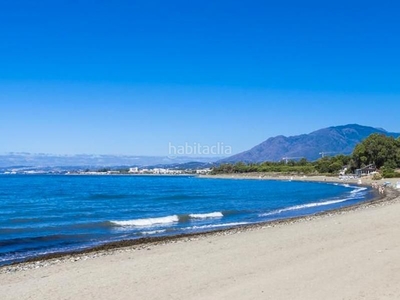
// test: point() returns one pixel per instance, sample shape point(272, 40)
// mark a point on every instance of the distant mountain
point(329, 141)
point(84, 160)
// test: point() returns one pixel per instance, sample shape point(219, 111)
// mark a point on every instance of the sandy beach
point(350, 254)
point(367, 180)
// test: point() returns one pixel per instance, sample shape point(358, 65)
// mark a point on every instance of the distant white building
point(134, 170)
point(203, 171)
point(343, 171)
point(113, 172)
point(160, 171)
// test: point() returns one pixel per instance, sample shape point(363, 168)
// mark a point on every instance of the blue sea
point(48, 214)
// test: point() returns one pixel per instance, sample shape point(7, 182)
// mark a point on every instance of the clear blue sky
point(128, 77)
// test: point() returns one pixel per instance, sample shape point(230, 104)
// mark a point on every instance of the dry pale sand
point(353, 255)
point(268, 176)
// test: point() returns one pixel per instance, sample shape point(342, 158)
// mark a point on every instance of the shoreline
point(365, 181)
point(392, 195)
point(351, 253)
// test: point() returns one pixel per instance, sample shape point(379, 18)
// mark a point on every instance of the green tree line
point(379, 150)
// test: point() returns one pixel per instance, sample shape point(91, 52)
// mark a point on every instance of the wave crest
point(147, 222)
point(357, 190)
point(207, 215)
point(217, 225)
point(308, 205)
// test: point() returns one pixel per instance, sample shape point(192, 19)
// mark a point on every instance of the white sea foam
point(153, 232)
point(357, 190)
point(207, 216)
point(216, 225)
point(148, 222)
point(353, 195)
point(308, 205)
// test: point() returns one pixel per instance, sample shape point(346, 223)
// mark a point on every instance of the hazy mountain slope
point(332, 141)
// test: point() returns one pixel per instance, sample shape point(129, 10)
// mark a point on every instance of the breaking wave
point(207, 216)
point(356, 193)
point(148, 222)
point(217, 225)
point(302, 206)
point(358, 190)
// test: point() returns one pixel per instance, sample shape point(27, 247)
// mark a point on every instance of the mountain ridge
point(331, 140)
point(88, 160)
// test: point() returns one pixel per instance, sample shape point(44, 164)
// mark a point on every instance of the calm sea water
point(45, 214)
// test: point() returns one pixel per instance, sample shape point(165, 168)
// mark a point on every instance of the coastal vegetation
point(378, 150)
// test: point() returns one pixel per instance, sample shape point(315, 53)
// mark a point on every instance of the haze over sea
point(46, 214)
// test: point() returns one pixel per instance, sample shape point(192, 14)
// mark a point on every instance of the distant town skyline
point(133, 78)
